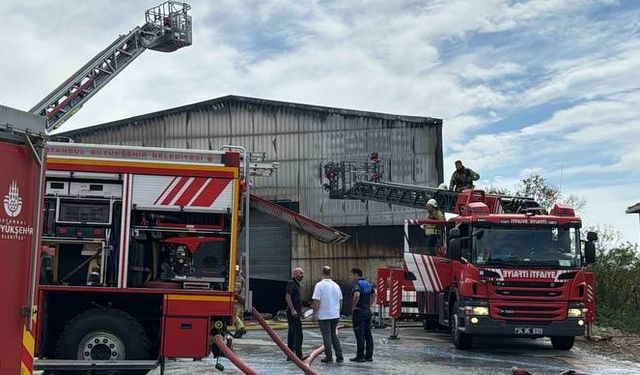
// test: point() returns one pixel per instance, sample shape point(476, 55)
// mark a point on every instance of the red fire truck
point(138, 259)
point(502, 266)
point(21, 152)
point(500, 274)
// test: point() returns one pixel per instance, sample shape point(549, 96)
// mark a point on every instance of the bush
point(617, 278)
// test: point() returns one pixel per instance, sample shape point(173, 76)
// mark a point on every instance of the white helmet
point(432, 202)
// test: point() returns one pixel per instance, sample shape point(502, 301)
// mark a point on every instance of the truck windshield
point(526, 246)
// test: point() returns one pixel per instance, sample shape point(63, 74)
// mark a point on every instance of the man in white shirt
point(327, 302)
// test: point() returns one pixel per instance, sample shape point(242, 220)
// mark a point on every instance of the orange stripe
point(54, 160)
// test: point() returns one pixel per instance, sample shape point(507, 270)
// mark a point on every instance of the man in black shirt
point(362, 296)
point(294, 312)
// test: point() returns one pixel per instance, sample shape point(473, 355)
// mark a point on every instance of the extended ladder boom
point(167, 28)
point(362, 180)
point(402, 194)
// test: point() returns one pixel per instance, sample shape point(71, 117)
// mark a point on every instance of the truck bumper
point(488, 326)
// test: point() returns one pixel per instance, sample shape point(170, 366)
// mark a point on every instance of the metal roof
point(302, 223)
point(418, 120)
point(635, 209)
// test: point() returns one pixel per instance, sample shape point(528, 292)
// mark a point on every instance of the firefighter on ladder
point(376, 167)
point(432, 231)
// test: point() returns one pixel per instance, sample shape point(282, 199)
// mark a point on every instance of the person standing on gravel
point(294, 312)
point(327, 303)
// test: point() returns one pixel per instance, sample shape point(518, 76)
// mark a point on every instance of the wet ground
point(416, 352)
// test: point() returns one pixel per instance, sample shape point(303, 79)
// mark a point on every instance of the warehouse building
point(302, 139)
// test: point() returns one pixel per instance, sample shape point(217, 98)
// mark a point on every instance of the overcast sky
point(544, 86)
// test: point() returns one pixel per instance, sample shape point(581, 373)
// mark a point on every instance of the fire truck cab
point(138, 259)
point(519, 274)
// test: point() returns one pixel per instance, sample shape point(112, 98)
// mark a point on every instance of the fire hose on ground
point(319, 350)
point(242, 366)
point(274, 336)
point(231, 356)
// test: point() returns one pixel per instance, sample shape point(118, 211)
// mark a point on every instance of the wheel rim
point(101, 346)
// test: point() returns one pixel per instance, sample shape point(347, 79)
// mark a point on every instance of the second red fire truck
point(502, 266)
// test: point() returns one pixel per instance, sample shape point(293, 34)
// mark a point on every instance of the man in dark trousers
point(294, 312)
point(362, 296)
point(462, 178)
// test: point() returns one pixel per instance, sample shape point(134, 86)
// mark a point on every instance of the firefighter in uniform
point(238, 308)
point(463, 177)
point(432, 231)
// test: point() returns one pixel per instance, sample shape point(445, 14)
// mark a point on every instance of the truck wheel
point(101, 334)
point(461, 340)
point(562, 342)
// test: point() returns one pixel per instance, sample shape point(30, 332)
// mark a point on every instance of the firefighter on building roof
point(462, 178)
point(432, 231)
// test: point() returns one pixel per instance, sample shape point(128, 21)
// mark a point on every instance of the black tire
point(118, 334)
point(461, 340)
point(562, 342)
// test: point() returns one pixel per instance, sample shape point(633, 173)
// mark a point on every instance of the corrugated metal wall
point(302, 139)
point(368, 249)
point(270, 242)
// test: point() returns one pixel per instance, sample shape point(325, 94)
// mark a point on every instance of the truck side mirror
point(455, 249)
point(592, 236)
point(589, 252)
point(454, 233)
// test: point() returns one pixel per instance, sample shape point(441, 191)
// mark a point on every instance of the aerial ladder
point(363, 180)
point(167, 28)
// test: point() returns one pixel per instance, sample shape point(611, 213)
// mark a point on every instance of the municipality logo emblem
point(13, 201)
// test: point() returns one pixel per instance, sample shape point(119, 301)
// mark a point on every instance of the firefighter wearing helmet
point(432, 231)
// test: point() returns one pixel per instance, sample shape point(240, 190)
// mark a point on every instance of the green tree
point(539, 188)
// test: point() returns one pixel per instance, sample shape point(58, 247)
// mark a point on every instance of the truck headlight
point(575, 313)
point(476, 310)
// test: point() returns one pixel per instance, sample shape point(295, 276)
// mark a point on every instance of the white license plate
point(528, 331)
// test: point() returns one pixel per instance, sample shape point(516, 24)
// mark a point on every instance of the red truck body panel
point(18, 182)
